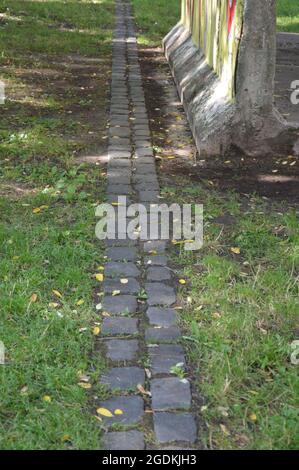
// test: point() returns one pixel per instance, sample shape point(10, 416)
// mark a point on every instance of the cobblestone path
point(150, 401)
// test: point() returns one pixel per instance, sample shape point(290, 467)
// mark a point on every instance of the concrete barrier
point(223, 57)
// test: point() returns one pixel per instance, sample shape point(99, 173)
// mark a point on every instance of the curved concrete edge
point(209, 111)
point(250, 123)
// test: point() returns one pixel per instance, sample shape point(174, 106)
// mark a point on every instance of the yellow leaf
point(57, 293)
point(224, 430)
point(36, 210)
point(44, 207)
point(216, 315)
point(253, 417)
point(153, 252)
point(124, 281)
point(33, 298)
point(115, 292)
point(65, 437)
point(100, 268)
point(118, 412)
point(104, 412)
point(99, 277)
point(53, 304)
point(84, 385)
point(96, 330)
point(47, 398)
point(80, 302)
point(182, 281)
point(235, 250)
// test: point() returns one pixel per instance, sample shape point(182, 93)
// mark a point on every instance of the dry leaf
point(84, 385)
point(224, 430)
point(53, 304)
point(99, 277)
point(236, 250)
point(142, 390)
point(80, 302)
point(36, 210)
point(96, 330)
point(115, 292)
point(84, 378)
point(182, 281)
point(99, 307)
point(104, 412)
point(57, 293)
point(33, 298)
point(253, 417)
point(118, 412)
point(216, 315)
point(124, 281)
point(47, 398)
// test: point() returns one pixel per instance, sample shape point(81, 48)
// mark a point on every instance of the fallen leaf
point(53, 304)
point(104, 412)
point(84, 385)
point(236, 250)
point(182, 281)
point(118, 412)
point(115, 292)
point(24, 390)
point(57, 293)
point(253, 417)
point(84, 378)
point(99, 307)
point(99, 277)
point(47, 398)
point(142, 390)
point(124, 281)
point(224, 430)
point(36, 210)
point(33, 298)
point(65, 437)
point(80, 302)
point(96, 330)
point(216, 315)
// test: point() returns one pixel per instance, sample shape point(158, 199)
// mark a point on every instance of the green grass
point(240, 315)
point(45, 351)
point(288, 16)
point(72, 26)
point(47, 203)
point(155, 20)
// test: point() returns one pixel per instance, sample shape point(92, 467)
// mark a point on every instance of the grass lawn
point(49, 126)
point(288, 16)
point(240, 315)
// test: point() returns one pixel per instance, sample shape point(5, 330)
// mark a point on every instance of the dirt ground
point(276, 179)
point(77, 85)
